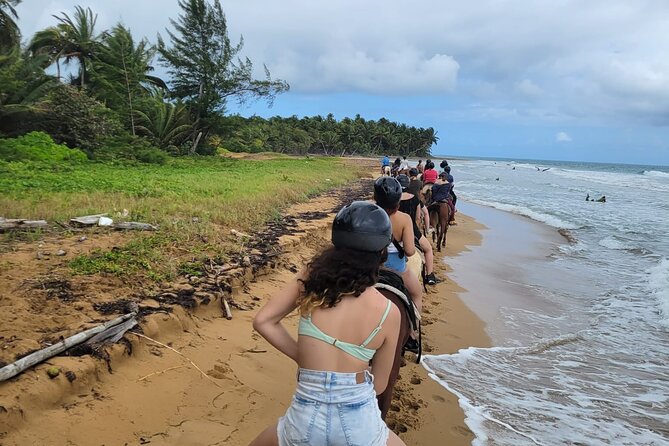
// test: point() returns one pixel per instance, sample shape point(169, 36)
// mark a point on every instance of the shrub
point(38, 146)
point(72, 117)
point(128, 147)
point(152, 156)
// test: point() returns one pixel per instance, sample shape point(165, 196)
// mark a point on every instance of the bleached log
point(226, 307)
point(11, 224)
point(128, 225)
point(32, 359)
point(87, 220)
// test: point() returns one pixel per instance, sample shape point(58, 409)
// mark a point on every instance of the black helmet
point(413, 172)
point(387, 192)
point(362, 226)
point(404, 181)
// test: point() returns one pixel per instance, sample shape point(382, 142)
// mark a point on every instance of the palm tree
point(165, 123)
point(50, 42)
point(80, 41)
point(9, 30)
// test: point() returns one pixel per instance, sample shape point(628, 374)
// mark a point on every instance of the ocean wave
point(655, 173)
point(550, 220)
point(612, 243)
point(650, 182)
point(658, 285)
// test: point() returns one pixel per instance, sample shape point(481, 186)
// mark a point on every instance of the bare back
point(351, 320)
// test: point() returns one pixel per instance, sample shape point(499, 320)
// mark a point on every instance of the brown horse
point(440, 215)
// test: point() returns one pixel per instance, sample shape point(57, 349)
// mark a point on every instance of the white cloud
point(601, 59)
point(562, 137)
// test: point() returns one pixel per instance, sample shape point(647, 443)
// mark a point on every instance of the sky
point(548, 79)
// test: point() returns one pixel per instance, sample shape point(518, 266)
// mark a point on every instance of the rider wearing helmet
point(411, 205)
point(345, 326)
point(387, 194)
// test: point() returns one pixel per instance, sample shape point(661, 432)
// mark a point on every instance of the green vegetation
point(37, 146)
point(195, 202)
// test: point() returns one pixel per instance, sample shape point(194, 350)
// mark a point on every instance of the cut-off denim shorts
point(332, 409)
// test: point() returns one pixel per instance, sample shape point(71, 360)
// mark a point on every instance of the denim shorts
point(332, 409)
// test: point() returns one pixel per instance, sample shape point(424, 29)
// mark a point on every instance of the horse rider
point(411, 205)
point(385, 165)
point(441, 192)
point(387, 194)
point(346, 325)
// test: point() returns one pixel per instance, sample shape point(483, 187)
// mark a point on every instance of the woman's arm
point(407, 236)
point(268, 320)
point(383, 359)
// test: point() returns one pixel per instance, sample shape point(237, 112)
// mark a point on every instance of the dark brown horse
point(440, 215)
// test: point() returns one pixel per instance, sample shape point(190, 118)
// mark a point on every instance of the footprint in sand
point(439, 398)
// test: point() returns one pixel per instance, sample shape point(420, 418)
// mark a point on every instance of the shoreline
point(449, 325)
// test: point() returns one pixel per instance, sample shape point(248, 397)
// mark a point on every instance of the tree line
point(97, 90)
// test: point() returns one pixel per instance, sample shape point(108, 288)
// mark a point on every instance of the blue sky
point(561, 79)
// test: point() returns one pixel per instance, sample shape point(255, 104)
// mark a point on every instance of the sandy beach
point(148, 393)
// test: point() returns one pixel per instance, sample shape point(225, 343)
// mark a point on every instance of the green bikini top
point(361, 352)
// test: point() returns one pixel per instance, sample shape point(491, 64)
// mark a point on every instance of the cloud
point(601, 60)
point(562, 137)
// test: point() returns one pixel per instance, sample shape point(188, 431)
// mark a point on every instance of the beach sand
point(147, 393)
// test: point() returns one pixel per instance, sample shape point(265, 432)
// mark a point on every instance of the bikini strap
point(377, 329)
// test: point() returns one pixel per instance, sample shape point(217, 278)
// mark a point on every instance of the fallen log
point(13, 224)
point(32, 359)
point(133, 225)
point(87, 220)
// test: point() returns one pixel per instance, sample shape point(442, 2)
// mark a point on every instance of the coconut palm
point(52, 43)
point(9, 30)
point(73, 38)
point(166, 124)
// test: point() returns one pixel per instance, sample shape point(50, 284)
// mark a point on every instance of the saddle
point(391, 282)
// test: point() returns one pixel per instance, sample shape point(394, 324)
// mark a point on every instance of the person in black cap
point(387, 194)
point(345, 326)
point(411, 205)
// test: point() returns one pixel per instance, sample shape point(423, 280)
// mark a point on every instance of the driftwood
point(87, 220)
point(32, 359)
point(12, 224)
point(134, 225)
point(226, 307)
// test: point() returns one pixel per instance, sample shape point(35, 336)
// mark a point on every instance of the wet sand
point(156, 396)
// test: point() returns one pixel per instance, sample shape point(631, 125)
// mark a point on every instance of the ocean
point(587, 362)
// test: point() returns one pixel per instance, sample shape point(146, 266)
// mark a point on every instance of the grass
point(195, 202)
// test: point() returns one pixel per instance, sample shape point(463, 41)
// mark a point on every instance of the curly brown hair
point(338, 272)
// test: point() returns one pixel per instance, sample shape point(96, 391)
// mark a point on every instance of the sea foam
point(658, 285)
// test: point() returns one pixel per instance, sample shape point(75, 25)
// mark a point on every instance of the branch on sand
point(178, 353)
point(109, 331)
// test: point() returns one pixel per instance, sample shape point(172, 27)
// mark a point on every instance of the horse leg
point(444, 216)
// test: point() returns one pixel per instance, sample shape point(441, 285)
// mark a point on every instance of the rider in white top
point(404, 165)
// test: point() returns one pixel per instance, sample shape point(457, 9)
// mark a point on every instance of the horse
point(440, 215)
point(392, 287)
